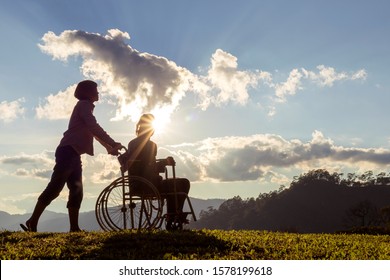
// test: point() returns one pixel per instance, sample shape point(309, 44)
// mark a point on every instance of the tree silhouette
point(316, 175)
point(363, 214)
point(385, 216)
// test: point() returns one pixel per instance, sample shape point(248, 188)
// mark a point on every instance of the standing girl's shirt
point(82, 128)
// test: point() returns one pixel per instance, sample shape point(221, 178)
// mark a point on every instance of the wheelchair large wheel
point(99, 211)
point(130, 202)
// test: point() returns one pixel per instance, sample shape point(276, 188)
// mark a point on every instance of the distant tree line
point(352, 180)
point(316, 201)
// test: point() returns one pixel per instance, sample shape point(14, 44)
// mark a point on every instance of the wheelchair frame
point(133, 202)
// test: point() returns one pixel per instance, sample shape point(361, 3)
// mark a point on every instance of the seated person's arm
point(162, 163)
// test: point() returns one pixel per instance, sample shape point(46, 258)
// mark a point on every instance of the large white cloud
point(137, 81)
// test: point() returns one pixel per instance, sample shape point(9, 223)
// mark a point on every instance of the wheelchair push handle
point(122, 148)
point(115, 151)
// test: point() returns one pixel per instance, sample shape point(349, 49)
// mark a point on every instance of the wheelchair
point(133, 202)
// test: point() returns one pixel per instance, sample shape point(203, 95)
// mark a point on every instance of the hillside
point(58, 222)
point(323, 207)
point(317, 203)
point(194, 244)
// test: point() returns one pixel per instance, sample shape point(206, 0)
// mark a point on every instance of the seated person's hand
point(170, 161)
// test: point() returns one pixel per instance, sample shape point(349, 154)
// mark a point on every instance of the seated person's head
point(144, 126)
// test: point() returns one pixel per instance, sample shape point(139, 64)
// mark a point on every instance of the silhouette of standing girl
point(77, 140)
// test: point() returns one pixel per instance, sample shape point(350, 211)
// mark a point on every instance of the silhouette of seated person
point(141, 161)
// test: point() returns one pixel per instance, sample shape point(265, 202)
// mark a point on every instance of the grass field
point(194, 244)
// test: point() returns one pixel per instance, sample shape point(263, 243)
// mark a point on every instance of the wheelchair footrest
point(178, 218)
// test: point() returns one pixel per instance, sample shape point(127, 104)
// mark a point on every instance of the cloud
point(57, 106)
point(38, 166)
point(105, 169)
point(260, 157)
point(327, 76)
point(139, 81)
point(9, 111)
point(43, 174)
point(257, 156)
point(290, 87)
point(136, 81)
point(359, 75)
point(45, 158)
point(101, 169)
point(323, 77)
point(225, 83)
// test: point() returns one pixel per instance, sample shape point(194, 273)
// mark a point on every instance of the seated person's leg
point(182, 186)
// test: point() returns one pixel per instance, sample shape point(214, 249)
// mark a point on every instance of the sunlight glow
point(162, 119)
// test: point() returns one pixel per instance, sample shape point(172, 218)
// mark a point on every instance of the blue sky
point(252, 93)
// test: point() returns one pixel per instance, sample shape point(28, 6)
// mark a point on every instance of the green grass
point(194, 244)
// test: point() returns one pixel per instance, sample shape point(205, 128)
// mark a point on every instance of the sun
point(159, 126)
point(161, 120)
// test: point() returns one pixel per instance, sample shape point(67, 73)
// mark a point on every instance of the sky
point(248, 93)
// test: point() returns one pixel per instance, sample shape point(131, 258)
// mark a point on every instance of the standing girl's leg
point(62, 170)
point(51, 192)
point(75, 186)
